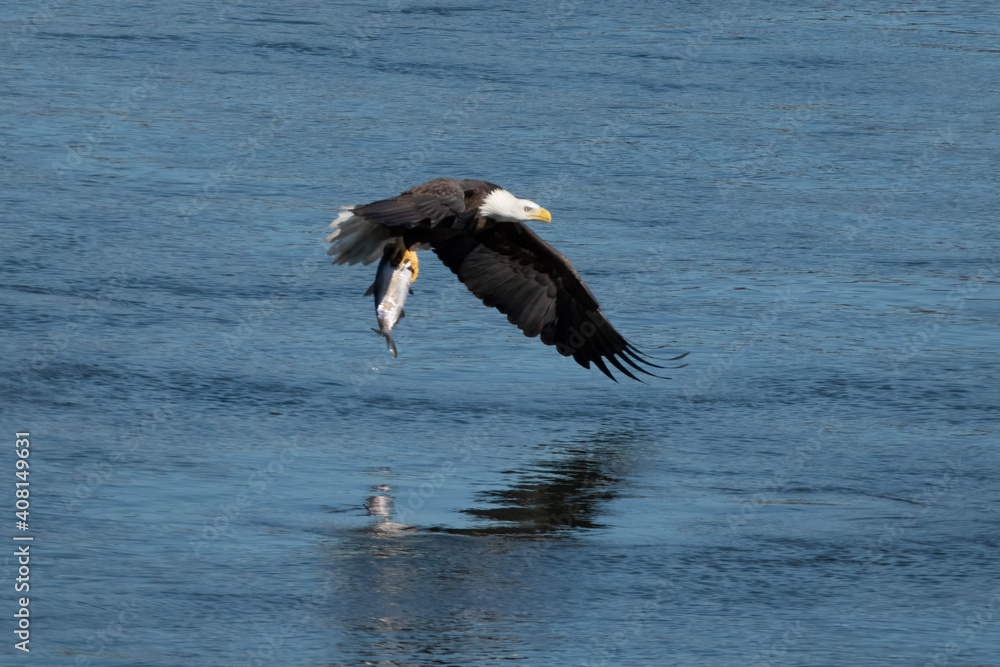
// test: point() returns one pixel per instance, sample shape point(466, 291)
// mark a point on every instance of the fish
point(397, 270)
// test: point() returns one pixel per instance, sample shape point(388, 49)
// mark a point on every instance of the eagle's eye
point(527, 208)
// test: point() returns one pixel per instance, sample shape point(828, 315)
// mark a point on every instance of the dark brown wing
point(513, 270)
point(434, 203)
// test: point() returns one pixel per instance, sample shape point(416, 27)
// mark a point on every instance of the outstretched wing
point(513, 270)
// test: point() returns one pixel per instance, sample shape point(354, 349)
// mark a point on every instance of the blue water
point(228, 468)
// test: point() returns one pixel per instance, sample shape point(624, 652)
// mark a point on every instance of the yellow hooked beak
point(412, 256)
point(542, 215)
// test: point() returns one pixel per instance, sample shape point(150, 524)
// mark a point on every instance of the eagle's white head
point(505, 207)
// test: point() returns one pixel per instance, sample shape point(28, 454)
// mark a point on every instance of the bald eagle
point(477, 229)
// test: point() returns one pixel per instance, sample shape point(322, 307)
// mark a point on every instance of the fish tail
point(390, 343)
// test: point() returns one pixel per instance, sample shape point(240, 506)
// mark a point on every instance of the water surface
point(228, 468)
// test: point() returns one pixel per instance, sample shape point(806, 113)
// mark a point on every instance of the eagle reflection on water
point(552, 496)
point(460, 595)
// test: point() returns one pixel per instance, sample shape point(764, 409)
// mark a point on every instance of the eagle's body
point(477, 229)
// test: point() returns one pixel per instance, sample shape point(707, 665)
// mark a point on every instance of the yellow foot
point(412, 256)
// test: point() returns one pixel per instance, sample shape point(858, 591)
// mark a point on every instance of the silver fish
point(396, 271)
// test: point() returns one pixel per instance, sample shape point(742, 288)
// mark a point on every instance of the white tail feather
point(355, 239)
